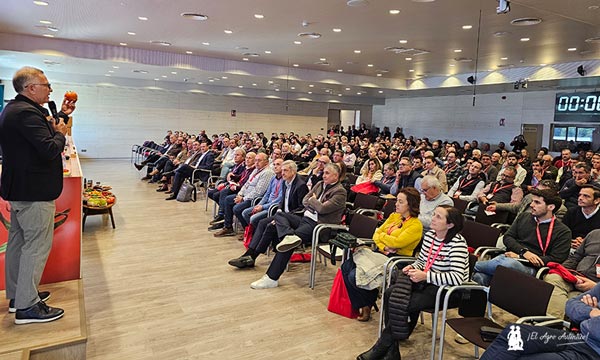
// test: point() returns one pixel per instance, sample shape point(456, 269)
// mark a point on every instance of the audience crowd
point(271, 192)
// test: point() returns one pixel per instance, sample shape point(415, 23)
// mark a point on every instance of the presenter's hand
point(60, 127)
point(68, 106)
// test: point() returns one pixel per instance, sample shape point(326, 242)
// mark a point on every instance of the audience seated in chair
point(204, 161)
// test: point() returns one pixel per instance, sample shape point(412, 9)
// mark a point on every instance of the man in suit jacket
point(324, 203)
point(32, 178)
point(204, 160)
point(294, 190)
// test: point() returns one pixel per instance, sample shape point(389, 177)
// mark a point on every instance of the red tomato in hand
point(71, 96)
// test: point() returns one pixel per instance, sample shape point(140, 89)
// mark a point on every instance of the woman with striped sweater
point(443, 260)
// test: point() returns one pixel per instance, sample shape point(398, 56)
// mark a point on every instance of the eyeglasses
point(48, 85)
point(321, 162)
point(507, 176)
point(424, 190)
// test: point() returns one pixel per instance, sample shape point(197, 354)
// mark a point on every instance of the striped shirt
point(451, 267)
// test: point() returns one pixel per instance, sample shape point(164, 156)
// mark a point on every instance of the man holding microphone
point(32, 142)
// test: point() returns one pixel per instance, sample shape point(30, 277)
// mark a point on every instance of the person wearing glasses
point(501, 192)
point(570, 190)
point(431, 197)
point(405, 176)
point(32, 178)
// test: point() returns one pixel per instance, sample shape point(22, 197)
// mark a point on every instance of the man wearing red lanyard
point(533, 240)
point(468, 186)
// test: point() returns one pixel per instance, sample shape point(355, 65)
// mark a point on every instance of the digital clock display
point(577, 107)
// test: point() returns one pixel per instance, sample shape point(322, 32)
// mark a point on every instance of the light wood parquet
point(159, 287)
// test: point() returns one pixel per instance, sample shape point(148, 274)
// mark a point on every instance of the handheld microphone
point(52, 107)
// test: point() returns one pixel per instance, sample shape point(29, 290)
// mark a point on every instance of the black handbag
point(343, 240)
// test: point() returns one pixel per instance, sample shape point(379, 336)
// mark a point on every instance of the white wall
point(455, 118)
point(109, 119)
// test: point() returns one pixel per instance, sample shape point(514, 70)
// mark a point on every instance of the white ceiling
point(89, 33)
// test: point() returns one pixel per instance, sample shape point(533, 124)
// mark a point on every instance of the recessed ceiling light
point(298, 42)
point(403, 41)
point(340, 70)
point(394, 12)
point(379, 75)
point(267, 51)
point(224, 77)
point(525, 39)
point(241, 86)
point(504, 58)
point(593, 7)
point(422, 1)
point(259, 16)
point(130, 33)
point(323, 59)
point(572, 49)
point(189, 52)
point(295, 65)
point(451, 65)
point(293, 87)
point(500, 33)
point(358, 93)
point(357, 51)
point(199, 83)
point(115, 67)
point(156, 79)
point(228, 31)
point(347, 89)
point(408, 58)
point(467, 27)
point(276, 89)
point(310, 92)
point(174, 72)
point(339, 94)
point(206, 43)
point(528, 21)
point(244, 59)
point(337, 30)
point(163, 76)
point(51, 28)
point(41, 3)
point(380, 91)
point(254, 84)
point(357, 2)
point(370, 65)
point(270, 81)
point(211, 80)
point(194, 16)
point(411, 70)
point(311, 85)
point(543, 64)
point(111, 71)
point(457, 50)
point(143, 18)
point(48, 35)
point(107, 75)
point(327, 90)
point(45, 22)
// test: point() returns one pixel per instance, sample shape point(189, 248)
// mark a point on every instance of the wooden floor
point(159, 287)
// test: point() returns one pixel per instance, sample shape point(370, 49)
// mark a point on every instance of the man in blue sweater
point(537, 342)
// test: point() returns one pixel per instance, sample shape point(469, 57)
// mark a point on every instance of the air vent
point(140, 71)
point(463, 60)
point(357, 3)
point(241, 48)
point(501, 66)
point(161, 43)
point(194, 16)
point(322, 63)
point(526, 21)
point(594, 40)
point(406, 51)
point(310, 35)
point(251, 54)
point(46, 27)
point(382, 71)
point(501, 33)
point(50, 62)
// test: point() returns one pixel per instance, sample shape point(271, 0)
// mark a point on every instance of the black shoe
point(216, 226)
point(393, 352)
point(218, 219)
point(38, 313)
point(380, 349)
point(152, 181)
point(171, 198)
point(146, 177)
point(242, 262)
point(43, 295)
point(162, 188)
point(138, 166)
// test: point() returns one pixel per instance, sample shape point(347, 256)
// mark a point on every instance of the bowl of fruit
point(94, 198)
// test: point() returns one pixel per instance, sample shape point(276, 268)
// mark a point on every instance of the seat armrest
point(543, 271)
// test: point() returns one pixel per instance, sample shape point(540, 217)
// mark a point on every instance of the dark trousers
point(264, 236)
point(289, 224)
point(232, 208)
point(541, 343)
point(183, 172)
point(422, 298)
point(359, 297)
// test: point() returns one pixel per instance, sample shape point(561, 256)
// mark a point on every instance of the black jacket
point(297, 192)
point(32, 163)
